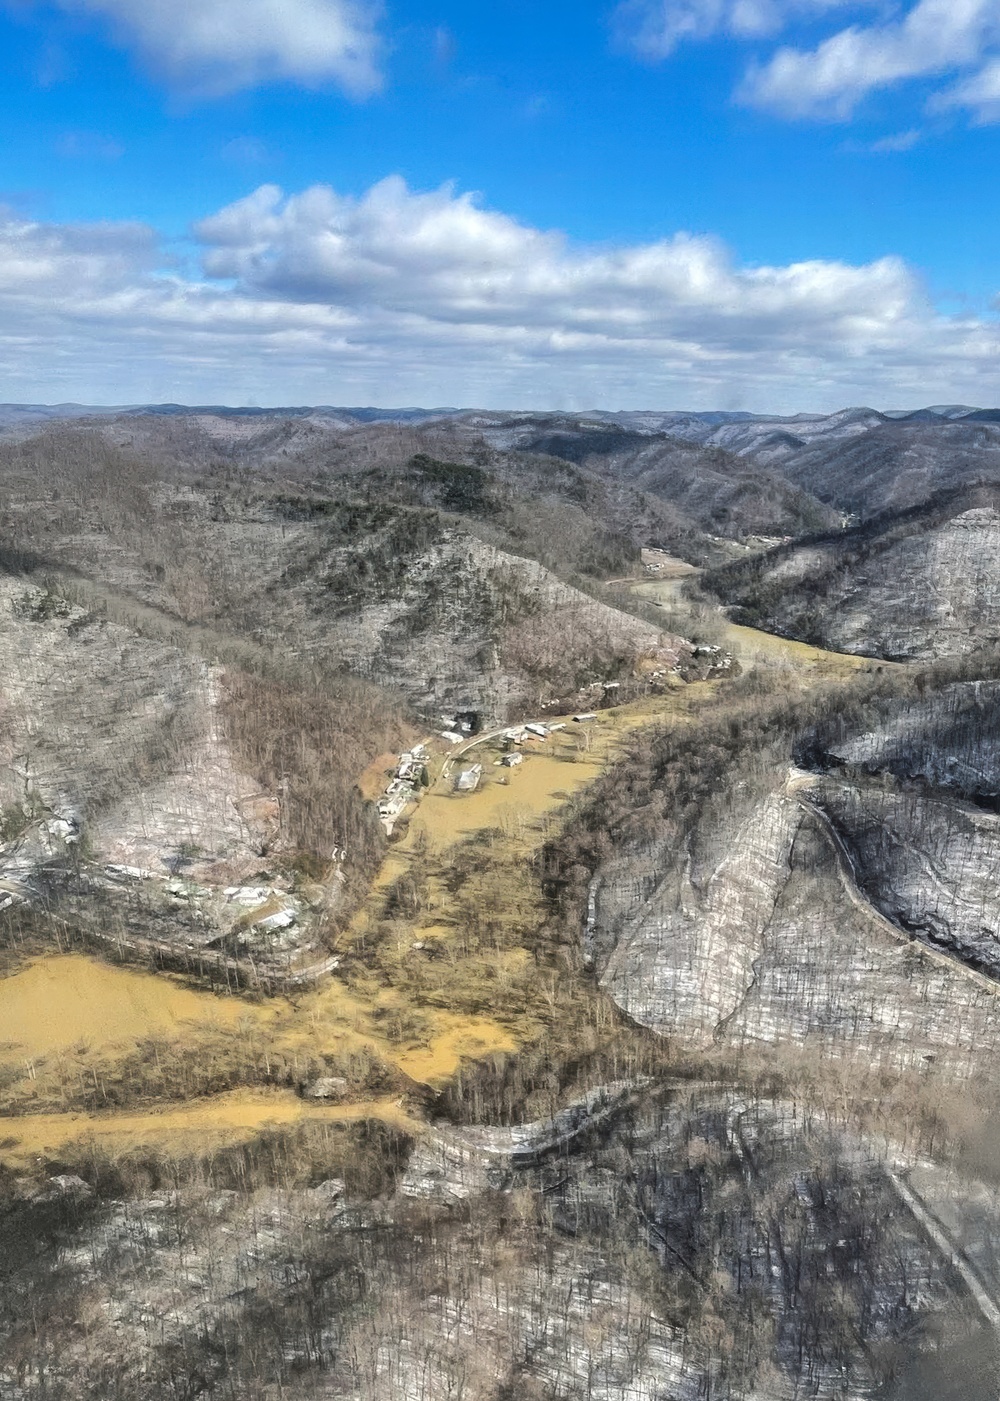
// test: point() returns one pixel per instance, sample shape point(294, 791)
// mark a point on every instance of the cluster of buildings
point(533, 733)
point(408, 777)
point(654, 561)
point(512, 738)
point(461, 726)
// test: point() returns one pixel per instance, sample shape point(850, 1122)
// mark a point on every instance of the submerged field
point(181, 1130)
point(750, 646)
point(69, 1000)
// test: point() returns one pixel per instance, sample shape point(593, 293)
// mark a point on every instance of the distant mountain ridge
point(650, 420)
point(721, 473)
point(807, 448)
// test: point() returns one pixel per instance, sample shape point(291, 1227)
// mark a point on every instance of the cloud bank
point(430, 298)
point(216, 46)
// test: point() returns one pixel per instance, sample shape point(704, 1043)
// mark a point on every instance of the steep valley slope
point(721, 492)
point(807, 907)
point(139, 801)
point(199, 665)
point(919, 584)
point(433, 579)
point(711, 1265)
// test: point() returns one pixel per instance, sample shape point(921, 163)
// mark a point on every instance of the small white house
point(468, 780)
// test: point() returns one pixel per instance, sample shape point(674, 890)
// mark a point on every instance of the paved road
point(968, 1370)
point(950, 1249)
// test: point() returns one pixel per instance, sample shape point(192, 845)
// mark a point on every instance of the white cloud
point(654, 28)
point(217, 46)
point(430, 298)
point(442, 258)
point(897, 141)
point(980, 93)
point(935, 37)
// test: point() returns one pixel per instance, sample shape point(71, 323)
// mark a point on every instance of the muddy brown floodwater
point(200, 1126)
point(67, 1000)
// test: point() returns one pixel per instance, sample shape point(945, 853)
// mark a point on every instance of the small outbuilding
point(468, 780)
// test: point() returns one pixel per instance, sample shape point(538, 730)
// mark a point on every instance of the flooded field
point(509, 798)
point(457, 1039)
point(749, 645)
point(181, 1129)
point(69, 1000)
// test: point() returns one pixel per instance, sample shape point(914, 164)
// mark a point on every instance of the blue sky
point(775, 204)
